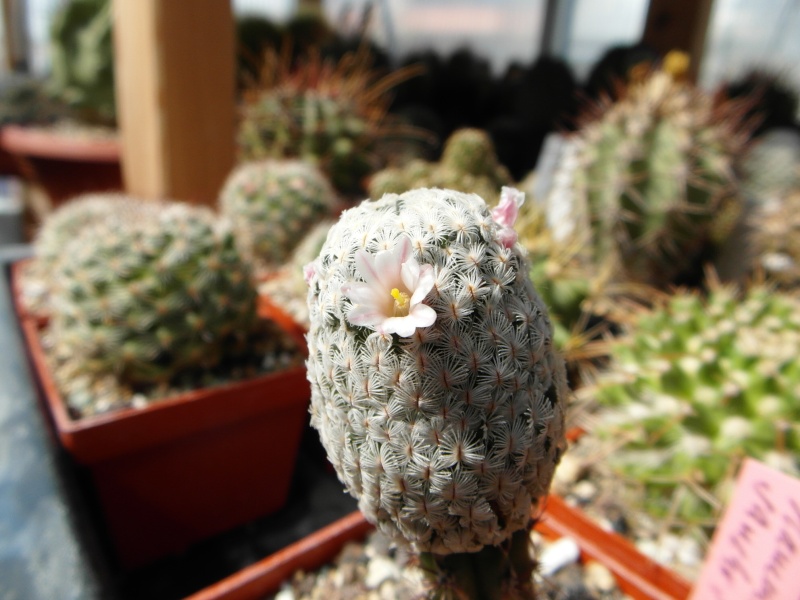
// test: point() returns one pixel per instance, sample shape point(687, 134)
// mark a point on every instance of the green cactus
point(82, 56)
point(333, 114)
point(271, 204)
point(468, 164)
point(58, 230)
point(151, 294)
point(435, 387)
point(693, 386)
point(654, 172)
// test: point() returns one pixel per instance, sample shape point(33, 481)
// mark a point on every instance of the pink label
point(755, 553)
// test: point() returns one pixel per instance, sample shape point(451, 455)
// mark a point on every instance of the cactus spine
point(448, 431)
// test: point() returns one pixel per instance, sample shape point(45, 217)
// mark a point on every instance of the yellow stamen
point(399, 297)
point(676, 63)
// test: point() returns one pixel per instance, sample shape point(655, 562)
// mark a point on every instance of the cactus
point(655, 170)
point(693, 386)
point(58, 230)
point(271, 204)
point(468, 164)
point(83, 59)
point(332, 114)
point(775, 238)
point(152, 294)
point(435, 387)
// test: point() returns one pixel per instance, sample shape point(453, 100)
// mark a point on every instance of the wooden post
point(175, 86)
point(678, 25)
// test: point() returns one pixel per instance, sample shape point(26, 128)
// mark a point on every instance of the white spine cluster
point(448, 436)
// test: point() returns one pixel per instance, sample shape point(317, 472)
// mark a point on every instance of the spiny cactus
point(331, 114)
point(435, 387)
point(271, 204)
point(58, 230)
point(655, 175)
point(468, 164)
point(694, 386)
point(151, 293)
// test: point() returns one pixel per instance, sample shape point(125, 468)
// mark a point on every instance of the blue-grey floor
point(52, 543)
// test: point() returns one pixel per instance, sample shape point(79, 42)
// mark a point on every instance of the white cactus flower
point(390, 298)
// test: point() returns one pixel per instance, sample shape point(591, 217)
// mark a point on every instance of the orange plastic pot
point(64, 165)
point(188, 467)
point(267, 309)
point(636, 575)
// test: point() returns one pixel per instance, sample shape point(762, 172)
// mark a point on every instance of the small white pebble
point(558, 555)
point(584, 490)
point(380, 569)
point(599, 578)
point(285, 594)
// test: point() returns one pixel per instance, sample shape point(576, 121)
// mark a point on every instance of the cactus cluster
point(694, 386)
point(468, 164)
point(655, 183)
point(148, 295)
point(271, 204)
point(436, 390)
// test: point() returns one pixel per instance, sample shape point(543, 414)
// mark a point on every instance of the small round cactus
point(693, 387)
point(436, 390)
point(150, 293)
point(272, 204)
point(469, 164)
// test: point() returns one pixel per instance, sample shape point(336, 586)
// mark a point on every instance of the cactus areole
point(435, 387)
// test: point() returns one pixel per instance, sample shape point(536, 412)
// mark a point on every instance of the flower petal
point(505, 213)
point(365, 263)
point(364, 293)
point(365, 316)
point(424, 284)
point(422, 315)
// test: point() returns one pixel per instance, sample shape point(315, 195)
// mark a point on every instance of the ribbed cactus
point(655, 173)
point(694, 386)
point(435, 387)
point(468, 164)
point(272, 204)
point(150, 294)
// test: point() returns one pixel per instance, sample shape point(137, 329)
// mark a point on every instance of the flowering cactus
point(435, 387)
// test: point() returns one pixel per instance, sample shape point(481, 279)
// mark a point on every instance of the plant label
point(755, 553)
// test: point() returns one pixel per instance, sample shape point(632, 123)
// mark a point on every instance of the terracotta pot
point(267, 309)
point(63, 165)
point(188, 467)
point(636, 575)
point(16, 270)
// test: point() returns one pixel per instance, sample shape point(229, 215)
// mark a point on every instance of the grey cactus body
point(448, 437)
